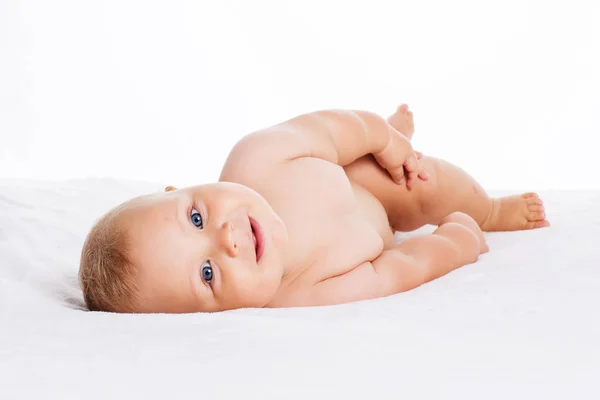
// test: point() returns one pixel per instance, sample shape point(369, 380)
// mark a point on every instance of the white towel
point(521, 323)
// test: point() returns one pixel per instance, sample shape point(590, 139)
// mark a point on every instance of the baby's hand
point(468, 222)
point(401, 161)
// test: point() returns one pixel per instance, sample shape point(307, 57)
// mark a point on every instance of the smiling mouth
point(258, 238)
point(254, 239)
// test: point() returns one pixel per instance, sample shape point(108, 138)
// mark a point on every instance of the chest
point(333, 224)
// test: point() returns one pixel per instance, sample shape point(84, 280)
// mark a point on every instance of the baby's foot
point(402, 121)
point(514, 213)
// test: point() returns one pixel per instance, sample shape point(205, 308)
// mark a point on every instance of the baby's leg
point(449, 189)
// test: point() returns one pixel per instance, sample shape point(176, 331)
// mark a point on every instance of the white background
point(160, 91)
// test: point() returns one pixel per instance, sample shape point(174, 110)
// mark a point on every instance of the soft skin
point(319, 197)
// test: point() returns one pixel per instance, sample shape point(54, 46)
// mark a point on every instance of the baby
point(304, 214)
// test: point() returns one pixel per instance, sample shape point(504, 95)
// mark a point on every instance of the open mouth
point(258, 237)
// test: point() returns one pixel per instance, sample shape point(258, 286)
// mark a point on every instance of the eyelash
point(195, 207)
point(212, 268)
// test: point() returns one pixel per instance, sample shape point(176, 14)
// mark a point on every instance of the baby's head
point(204, 248)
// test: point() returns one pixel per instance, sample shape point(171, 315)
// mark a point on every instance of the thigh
point(406, 210)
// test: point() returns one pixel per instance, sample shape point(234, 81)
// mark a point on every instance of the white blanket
point(521, 323)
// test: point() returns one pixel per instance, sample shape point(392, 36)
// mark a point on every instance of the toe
point(535, 207)
point(530, 195)
point(536, 216)
point(536, 224)
point(533, 200)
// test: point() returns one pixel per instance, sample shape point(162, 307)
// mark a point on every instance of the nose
point(227, 239)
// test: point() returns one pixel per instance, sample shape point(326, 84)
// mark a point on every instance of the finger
point(419, 155)
point(411, 170)
point(411, 178)
point(398, 176)
point(398, 159)
point(395, 171)
point(424, 175)
point(411, 164)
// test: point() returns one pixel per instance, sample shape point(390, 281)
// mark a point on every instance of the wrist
point(377, 131)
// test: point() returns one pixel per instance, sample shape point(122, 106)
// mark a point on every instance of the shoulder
point(260, 152)
point(307, 135)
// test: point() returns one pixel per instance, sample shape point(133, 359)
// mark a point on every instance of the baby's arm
point(458, 241)
point(337, 136)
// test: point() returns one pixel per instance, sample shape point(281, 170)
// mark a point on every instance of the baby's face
point(205, 248)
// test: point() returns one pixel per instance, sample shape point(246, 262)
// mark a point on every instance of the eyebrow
point(181, 204)
point(193, 286)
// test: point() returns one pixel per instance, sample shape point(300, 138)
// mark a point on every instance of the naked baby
point(304, 214)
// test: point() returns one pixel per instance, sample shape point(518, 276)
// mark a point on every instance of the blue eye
point(207, 273)
point(196, 218)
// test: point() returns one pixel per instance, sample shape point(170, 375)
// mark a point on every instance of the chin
point(267, 294)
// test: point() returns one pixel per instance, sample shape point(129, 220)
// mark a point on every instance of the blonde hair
point(106, 273)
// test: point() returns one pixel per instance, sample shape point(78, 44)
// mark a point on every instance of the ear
point(170, 188)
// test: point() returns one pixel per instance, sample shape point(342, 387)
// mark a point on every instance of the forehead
point(159, 248)
point(142, 215)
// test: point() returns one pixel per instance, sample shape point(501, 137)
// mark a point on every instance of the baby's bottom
point(449, 189)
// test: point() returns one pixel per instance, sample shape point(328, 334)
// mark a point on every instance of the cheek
point(251, 288)
point(268, 285)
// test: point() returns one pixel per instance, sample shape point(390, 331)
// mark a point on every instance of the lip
point(260, 238)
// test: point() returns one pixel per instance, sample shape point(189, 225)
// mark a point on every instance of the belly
point(352, 228)
point(374, 212)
